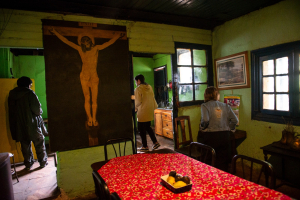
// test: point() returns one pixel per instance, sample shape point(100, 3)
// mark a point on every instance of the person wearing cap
point(26, 123)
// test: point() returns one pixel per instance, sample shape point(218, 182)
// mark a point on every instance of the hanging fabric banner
point(87, 83)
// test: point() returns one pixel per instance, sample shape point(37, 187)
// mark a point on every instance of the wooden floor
point(37, 183)
point(163, 141)
point(42, 183)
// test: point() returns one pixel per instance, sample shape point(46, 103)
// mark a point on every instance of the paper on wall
point(234, 102)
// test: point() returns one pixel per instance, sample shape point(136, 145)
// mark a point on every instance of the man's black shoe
point(29, 167)
point(43, 164)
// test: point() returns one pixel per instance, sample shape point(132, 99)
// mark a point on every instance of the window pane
point(282, 65)
point(199, 91)
point(200, 74)
point(199, 57)
point(268, 101)
point(282, 102)
point(268, 84)
point(282, 83)
point(184, 57)
point(185, 93)
point(268, 67)
point(185, 74)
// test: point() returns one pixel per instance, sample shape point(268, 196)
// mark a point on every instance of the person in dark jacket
point(26, 123)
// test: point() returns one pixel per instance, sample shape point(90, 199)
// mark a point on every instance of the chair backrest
point(117, 143)
point(114, 196)
point(207, 153)
point(266, 167)
point(101, 189)
point(182, 124)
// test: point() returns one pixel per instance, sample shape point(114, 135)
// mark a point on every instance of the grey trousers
point(40, 148)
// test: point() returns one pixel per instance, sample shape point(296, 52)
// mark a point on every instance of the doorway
point(157, 70)
point(17, 62)
point(160, 86)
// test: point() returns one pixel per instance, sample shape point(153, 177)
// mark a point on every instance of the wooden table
point(97, 165)
point(138, 177)
point(283, 151)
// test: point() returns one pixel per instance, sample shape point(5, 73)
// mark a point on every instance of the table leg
point(266, 156)
point(233, 148)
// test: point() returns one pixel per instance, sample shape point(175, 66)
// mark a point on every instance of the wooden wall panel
point(25, 30)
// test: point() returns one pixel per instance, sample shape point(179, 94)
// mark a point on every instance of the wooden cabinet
point(163, 123)
point(158, 122)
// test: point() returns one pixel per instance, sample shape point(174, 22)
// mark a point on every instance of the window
point(192, 72)
point(275, 83)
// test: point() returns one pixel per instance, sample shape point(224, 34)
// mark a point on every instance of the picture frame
point(232, 72)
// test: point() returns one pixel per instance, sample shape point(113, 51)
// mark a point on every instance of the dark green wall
point(33, 67)
point(161, 60)
point(143, 66)
point(5, 63)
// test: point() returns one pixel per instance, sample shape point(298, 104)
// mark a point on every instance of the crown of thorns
point(87, 35)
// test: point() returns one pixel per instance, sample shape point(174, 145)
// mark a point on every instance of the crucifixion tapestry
point(87, 83)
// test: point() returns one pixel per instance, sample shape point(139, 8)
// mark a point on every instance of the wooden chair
point(266, 167)
point(14, 171)
point(162, 151)
point(97, 165)
point(117, 142)
point(182, 143)
point(207, 153)
point(101, 189)
point(114, 196)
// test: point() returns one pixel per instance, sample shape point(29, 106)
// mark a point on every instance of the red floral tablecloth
point(138, 177)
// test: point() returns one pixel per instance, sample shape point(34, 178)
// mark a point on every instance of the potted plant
point(290, 137)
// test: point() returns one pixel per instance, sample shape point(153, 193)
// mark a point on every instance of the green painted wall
point(270, 26)
point(143, 66)
point(263, 28)
point(5, 62)
point(33, 67)
point(195, 116)
point(75, 173)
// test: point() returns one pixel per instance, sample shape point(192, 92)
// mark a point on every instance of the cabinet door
point(158, 124)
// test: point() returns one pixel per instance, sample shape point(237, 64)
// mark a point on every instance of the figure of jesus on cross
point(89, 79)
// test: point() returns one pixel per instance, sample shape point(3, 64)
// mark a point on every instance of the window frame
point(292, 51)
point(210, 81)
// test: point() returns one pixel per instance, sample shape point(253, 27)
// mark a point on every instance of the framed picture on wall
point(232, 72)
